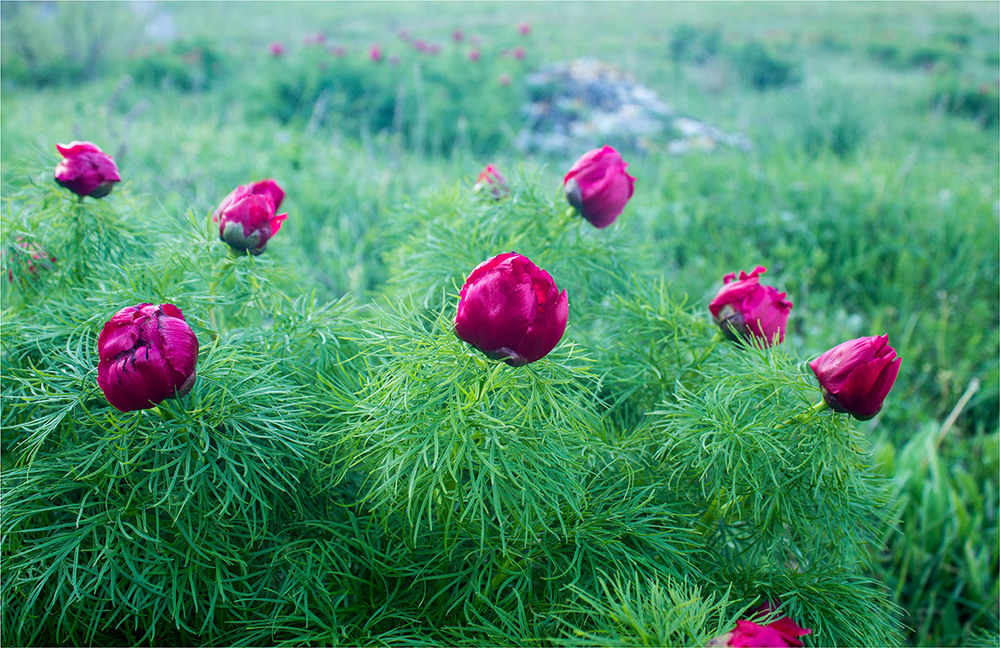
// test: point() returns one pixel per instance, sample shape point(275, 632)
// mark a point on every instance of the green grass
point(871, 200)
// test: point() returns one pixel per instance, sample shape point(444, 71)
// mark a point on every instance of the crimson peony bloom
point(146, 354)
point(744, 308)
point(780, 633)
point(86, 170)
point(598, 186)
point(246, 217)
point(856, 375)
point(491, 179)
point(511, 310)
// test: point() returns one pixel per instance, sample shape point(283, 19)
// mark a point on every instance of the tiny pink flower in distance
point(247, 216)
point(856, 375)
point(598, 186)
point(743, 308)
point(511, 310)
point(518, 53)
point(404, 35)
point(338, 50)
point(422, 46)
point(474, 55)
point(524, 29)
point(276, 49)
point(457, 36)
point(146, 354)
point(434, 49)
point(30, 256)
point(86, 170)
point(490, 179)
point(375, 53)
point(504, 79)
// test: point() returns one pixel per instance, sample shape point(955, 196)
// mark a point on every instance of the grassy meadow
point(871, 192)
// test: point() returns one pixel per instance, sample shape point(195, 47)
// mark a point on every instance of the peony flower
point(375, 53)
point(856, 375)
point(780, 633)
point(524, 29)
point(146, 354)
point(743, 308)
point(511, 310)
point(246, 217)
point(474, 54)
point(276, 49)
point(598, 186)
point(518, 53)
point(491, 179)
point(457, 35)
point(86, 170)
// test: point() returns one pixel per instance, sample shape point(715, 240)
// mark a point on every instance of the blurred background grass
point(870, 191)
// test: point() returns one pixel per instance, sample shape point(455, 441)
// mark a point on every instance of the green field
point(871, 191)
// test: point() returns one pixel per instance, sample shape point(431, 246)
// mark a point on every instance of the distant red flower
point(86, 170)
point(474, 55)
point(490, 179)
point(504, 79)
point(524, 29)
point(276, 49)
point(518, 53)
point(404, 35)
point(422, 46)
point(338, 50)
point(457, 36)
point(375, 53)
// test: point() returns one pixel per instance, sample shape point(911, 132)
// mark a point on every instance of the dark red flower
point(86, 170)
point(511, 310)
point(856, 375)
point(598, 186)
point(490, 179)
point(247, 218)
point(744, 307)
point(146, 353)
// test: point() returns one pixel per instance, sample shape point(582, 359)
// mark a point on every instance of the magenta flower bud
point(856, 375)
point(511, 310)
point(744, 308)
point(246, 217)
point(146, 354)
point(491, 180)
point(598, 186)
point(86, 170)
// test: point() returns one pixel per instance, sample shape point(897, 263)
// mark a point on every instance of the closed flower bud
point(490, 180)
point(147, 353)
point(598, 186)
point(856, 375)
point(511, 310)
point(86, 170)
point(744, 308)
point(246, 217)
point(30, 257)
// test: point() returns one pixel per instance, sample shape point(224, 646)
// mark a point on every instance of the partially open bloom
point(491, 180)
point(511, 310)
point(86, 170)
point(146, 353)
point(246, 217)
point(598, 186)
point(856, 375)
point(744, 308)
point(780, 633)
